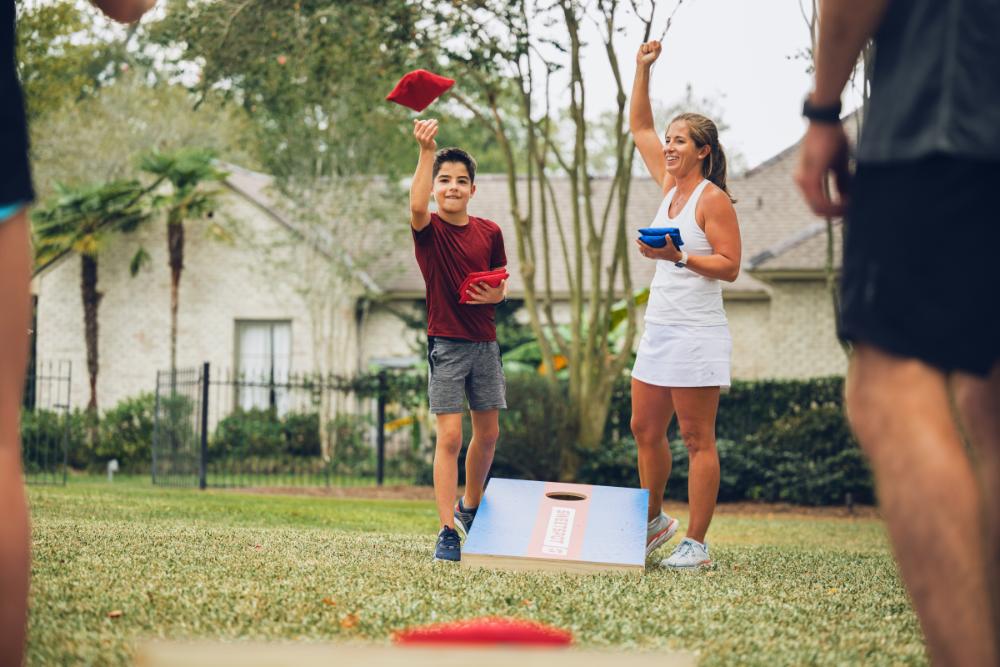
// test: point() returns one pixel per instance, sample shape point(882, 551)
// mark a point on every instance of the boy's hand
point(424, 131)
point(648, 53)
point(482, 294)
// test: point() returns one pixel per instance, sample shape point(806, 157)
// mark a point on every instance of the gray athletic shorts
point(463, 369)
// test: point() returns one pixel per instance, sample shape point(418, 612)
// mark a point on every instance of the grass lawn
point(178, 564)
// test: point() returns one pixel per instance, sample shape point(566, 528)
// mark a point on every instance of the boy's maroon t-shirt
point(446, 254)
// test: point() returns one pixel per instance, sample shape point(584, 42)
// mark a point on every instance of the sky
point(739, 53)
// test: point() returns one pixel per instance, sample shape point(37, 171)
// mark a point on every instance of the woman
point(683, 356)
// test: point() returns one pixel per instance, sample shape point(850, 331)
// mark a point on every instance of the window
point(263, 360)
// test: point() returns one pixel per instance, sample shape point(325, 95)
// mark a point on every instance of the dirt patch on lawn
point(769, 510)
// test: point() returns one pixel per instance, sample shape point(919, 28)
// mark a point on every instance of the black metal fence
point(45, 422)
point(217, 429)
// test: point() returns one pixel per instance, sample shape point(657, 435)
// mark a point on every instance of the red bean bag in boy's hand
point(419, 88)
point(490, 630)
point(491, 278)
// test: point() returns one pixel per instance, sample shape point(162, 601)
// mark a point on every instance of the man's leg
point(929, 496)
point(652, 410)
point(696, 409)
point(479, 458)
point(446, 448)
point(15, 276)
point(978, 402)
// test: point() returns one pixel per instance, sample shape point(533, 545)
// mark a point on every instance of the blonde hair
point(704, 132)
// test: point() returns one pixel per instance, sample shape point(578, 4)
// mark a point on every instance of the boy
point(462, 350)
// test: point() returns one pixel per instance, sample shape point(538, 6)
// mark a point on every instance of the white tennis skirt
point(678, 355)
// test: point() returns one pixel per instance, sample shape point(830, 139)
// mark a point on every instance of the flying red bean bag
point(419, 88)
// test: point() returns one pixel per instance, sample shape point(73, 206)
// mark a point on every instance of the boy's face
point(453, 188)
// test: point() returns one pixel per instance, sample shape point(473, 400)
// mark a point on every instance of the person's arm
point(640, 117)
point(723, 233)
point(482, 293)
point(124, 11)
point(424, 132)
point(844, 28)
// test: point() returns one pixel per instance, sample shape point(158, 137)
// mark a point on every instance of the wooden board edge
point(522, 564)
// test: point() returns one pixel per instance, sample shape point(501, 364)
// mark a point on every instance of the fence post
point(380, 471)
point(202, 481)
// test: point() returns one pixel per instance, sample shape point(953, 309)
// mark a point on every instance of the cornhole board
point(258, 654)
point(550, 526)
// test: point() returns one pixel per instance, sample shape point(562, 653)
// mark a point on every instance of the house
point(280, 295)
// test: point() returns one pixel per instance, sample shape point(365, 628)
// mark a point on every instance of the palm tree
point(81, 221)
point(187, 169)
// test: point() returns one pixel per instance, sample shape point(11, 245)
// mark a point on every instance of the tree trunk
point(91, 300)
point(175, 246)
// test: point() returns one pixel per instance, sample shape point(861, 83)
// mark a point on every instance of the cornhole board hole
point(550, 526)
point(300, 654)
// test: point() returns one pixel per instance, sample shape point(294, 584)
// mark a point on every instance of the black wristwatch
point(829, 115)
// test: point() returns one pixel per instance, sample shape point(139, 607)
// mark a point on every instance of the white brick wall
point(221, 283)
point(789, 336)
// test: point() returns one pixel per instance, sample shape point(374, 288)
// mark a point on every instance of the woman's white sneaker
point(658, 531)
point(689, 555)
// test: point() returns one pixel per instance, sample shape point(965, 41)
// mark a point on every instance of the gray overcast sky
point(738, 52)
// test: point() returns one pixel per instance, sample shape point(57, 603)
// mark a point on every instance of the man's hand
point(481, 294)
point(648, 53)
point(668, 252)
point(424, 131)
point(824, 150)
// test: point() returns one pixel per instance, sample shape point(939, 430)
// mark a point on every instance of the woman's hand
point(668, 252)
point(648, 53)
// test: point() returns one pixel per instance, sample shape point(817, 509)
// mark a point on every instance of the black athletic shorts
point(921, 274)
point(15, 175)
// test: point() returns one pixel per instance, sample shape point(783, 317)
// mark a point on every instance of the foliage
point(64, 54)
point(353, 451)
point(102, 137)
point(43, 433)
point(126, 434)
point(536, 418)
point(81, 219)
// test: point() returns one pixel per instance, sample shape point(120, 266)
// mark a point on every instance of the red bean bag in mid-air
point(419, 88)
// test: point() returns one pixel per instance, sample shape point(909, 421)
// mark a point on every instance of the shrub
point(809, 458)
point(532, 429)
point(301, 434)
point(352, 451)
point(126, 434)
point(43, 435)
point(256, 432)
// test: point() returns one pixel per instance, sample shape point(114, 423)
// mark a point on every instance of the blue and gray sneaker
point(464, 518)
point(449, 546)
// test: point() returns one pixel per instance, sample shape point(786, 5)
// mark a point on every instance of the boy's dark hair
point(454, 155)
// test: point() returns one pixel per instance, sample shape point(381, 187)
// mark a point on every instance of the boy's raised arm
point(424, 132)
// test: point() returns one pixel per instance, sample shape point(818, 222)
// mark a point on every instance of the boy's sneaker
point(689, 555)
point(658, 531)
point(464, 518)
point(448, 547)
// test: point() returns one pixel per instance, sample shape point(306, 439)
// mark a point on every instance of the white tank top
point(681, 296)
